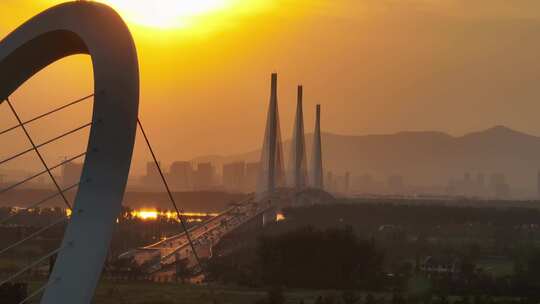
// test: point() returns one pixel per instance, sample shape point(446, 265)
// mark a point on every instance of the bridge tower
point(316, 158)
point(272, 173)
point(298, 164)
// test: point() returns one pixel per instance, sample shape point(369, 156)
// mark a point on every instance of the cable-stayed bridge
point(69, 29)
point(160, 259)
point(275, 190)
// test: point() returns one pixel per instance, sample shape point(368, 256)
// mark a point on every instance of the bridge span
point(160, 260)
point(189, 247)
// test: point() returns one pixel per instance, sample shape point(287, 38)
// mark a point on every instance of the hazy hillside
point(426, 157)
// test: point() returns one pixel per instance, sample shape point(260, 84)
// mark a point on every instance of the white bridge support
point(95, 29)
point(316, 161)
point(272, 173)
point(298, 161)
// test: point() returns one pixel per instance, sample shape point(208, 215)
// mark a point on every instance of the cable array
point(47, 170)
point(169, 193)
point(175, 206)
point(15, 185)
point(61, 191)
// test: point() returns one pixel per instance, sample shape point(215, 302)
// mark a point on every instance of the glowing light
point(280, 217)
point(153, 214)
point(167, 13)
point(145, 214)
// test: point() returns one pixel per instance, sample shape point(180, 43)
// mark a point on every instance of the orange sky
point(375, 66)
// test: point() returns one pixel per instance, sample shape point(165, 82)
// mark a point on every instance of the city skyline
point(240, 176)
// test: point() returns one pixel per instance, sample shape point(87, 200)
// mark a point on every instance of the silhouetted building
point(152, 178)
point(341, 183)
point(367, 184)
point(204, 176)
point(330, 184)
point(71, 173)
point(252, 174)
point(537, 183)
point(234, 175)
point(468, 186)
point(481, 180)
point(181, 175)
point(499, 186)
point(347, 182)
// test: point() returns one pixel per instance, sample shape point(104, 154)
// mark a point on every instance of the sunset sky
point(376, 66)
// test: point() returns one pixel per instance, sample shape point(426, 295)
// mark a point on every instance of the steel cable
point(38, 154)
point(39, 203)
point(45, 143)
point(41, 173)
point(32, 265)
point(33, 235)
point(48, 113)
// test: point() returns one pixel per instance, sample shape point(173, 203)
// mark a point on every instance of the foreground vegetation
point(110, 292)
point(352, 252)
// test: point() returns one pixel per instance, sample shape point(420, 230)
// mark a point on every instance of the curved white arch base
point(95, 29)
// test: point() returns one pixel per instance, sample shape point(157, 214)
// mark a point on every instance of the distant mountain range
point(425, 158)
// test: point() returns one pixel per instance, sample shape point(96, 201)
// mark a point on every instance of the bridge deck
point(157, 257)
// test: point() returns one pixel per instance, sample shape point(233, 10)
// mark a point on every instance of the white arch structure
point(94, 29)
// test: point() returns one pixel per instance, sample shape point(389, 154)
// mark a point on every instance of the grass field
point(109, 292)
point(498, 268)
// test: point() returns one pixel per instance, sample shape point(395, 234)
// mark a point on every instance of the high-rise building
point(252, 174)
point(481, 180)
point(347, 182)
point(181, 175)
point(499, 186)
point(363, 183)
point(338, 183)
point(204, 176)
point(71, 173)
point(234, 175)
point(330, 185)
point(152, 178)
point(538, 183)
point(476, 187)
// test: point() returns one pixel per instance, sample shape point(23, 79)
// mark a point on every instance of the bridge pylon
point(272, 173)
point(298, 161)
point(316, 156)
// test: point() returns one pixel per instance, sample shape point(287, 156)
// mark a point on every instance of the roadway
point(159, 257)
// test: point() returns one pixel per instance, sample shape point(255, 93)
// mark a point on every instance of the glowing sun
point(167, 13)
